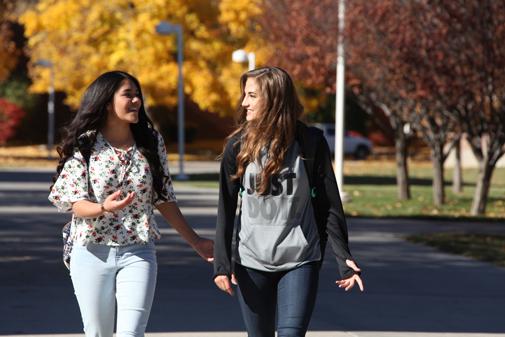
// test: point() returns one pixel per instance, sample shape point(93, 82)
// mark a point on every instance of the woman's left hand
point(204, 248)
point(349, 282)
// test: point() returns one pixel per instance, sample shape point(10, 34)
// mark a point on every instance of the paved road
point(412, 290)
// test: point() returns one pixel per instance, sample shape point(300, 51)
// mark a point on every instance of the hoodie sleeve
point(227, 207)
point(336, 225)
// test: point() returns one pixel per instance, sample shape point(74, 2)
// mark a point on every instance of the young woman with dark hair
point(289, 206)
point(111, 175)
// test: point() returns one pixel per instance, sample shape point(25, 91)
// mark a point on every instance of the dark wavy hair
point(92, 115)
point(273, 129)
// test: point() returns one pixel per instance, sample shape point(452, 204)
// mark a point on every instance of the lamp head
point(239, 56)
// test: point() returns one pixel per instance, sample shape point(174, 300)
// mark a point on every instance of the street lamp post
point(166, 28)
point(240, 56)
point(339, 102)
point(50, 105)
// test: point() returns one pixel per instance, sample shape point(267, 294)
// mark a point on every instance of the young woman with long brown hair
point(289, 206)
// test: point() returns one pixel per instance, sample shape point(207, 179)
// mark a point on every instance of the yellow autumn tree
point(238, 18)
point(84, 38)
point(9, 53)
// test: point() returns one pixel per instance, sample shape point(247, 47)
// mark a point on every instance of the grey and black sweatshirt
point(285, 228)
point(277, 231)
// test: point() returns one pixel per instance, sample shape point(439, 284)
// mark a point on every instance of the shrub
point(10, 116)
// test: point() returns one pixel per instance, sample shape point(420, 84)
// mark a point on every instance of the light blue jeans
point(103, 275)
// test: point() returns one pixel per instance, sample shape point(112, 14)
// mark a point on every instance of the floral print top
point(111, 169)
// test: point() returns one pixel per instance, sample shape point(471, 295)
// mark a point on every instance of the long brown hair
point(273, 130)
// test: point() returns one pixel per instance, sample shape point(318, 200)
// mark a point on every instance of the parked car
point(354, 144)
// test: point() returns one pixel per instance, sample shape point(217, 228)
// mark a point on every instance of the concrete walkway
point(411, 290)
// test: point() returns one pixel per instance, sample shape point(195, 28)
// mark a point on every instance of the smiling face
point(253, 101)
point(125, 104)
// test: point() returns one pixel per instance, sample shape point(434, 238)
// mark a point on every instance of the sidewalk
point(411, 290)
point(309, 334)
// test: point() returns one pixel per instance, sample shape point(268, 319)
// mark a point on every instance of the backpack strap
point(85, 144)
point(307, 139)
point(86, 154)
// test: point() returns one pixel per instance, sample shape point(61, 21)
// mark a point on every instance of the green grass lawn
point(373, 192)
point(373, 200)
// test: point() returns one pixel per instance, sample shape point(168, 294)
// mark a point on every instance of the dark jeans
point(292, 293)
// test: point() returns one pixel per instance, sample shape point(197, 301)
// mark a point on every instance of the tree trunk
point(438, 176)
point(479, 203)
point(402, 173)
point(457, 176)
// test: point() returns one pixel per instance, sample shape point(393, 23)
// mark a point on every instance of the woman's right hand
point(223, 283)
point(349, 282)
point(112, 203)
